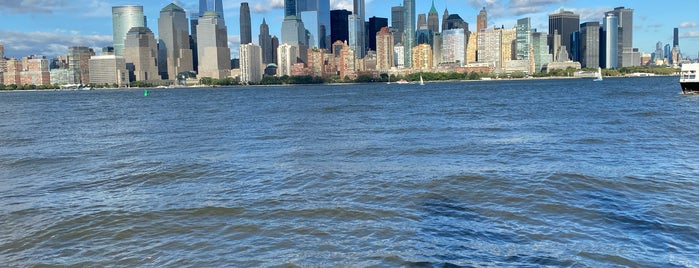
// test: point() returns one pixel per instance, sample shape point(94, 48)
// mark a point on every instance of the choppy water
point(526, 173)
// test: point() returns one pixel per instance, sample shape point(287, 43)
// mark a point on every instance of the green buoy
point(145, 93)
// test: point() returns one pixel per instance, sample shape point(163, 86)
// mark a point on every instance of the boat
point(402, 81)
point(688, 78)
point(422, 83)
point(598, 76)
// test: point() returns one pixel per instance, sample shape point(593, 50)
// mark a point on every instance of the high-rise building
point(79, 62)
point(397, 24)
point(2, 51)
point(489, 47)
point(409, 32)
point(265, 41)
point(508, 37)
point(123, 19)
point(290, 8)
point(375, 25)
point(212, 46)
point(433, 19)
point(140, 54)
point(675, 38)
point(211, 5)
point(174, 52)
point(245, 24)
point(422, 57)
point(625, 35)
point(453, 46)
point(524, 33)
point(565, 23)
point(437, 43)
point(384, 49)
point(339, 27)
point(454, 21)
point(610, 42)
point(444, 19)
point(589, 44)
point(540, 48)
point(108, 70)
point(286, 58)
point(293, 29)
point(357, 29)
point(422, 21)
point(251, 67)
point(482, 20)
point(471, 48)
point(315, 15)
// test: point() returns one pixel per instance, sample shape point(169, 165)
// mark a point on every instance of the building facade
point(212, 46)
point(123, 19)
point(141, 54)
point(453, 46)
point(339, 25)
point(174, 51)
point(384, 50)
point(481, 21)
point(245, 24)
point(108, 70)
point(79, 63)
point(626, 57)
point(590, 44)
point(265, 42)
point(422, 57)
point(286, 58)
point(251, 67)
point(524, 33)
point(409, 32)
point(610, 42)
point(397, 25)
point(565, 23)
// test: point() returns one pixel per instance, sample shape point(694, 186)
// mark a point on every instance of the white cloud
point(691, 34)
point(688, 24)
point(31, 6)
point(342, 4)
point(266, 6)
point(520, 7)
point(50, 44)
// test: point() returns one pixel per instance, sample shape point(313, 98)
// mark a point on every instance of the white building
point(453, 46)
point(251, 68)
point(286, 57)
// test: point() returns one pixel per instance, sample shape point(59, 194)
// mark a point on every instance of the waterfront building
point(524, 33)
point(540, 51)
point(62, 76)
point(626, 55)
point(11, 75)
point(79, 63)
point(140, 54)
point(399, 55)
point(384, 50)
point(346, 63)
point(212, 46)
point(481, 20)
point(590, 44)
point(245, 24)
point(251, 67)
point(174, 51)
point(319, 62)
point(286, 57)
point(409, 32)
point(375, 25)
point(397, 25)
point(356, 38)
point(433, 19)
point(315, 15)
point(33, 70)
point(339, 25)
point(437, 46)
point(471, 48)
point(422, 57)
point(453, 46)
point(109, 70)
point(508, 37)
point(489, 47)
point(265, 42)
point(123, 19)
point(564, 23)
point(610, 41)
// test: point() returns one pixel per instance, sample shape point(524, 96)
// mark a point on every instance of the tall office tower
point(384, 50)
point(397, 24)
point(453, 46)
point(2, 51)
point(265, 41)
point(667, 51)
point(481, 21)
point(286, 58)
point(193, 43)
point(293, 29)
point(211, 5)
point(422, 22)
point(174, 51)
point(275, 45)
point(408, 32)
point(610, 42)
point(433, 19)
point(141, 54)
point(339, 28)
point(524, 33)
point(444, 19)
point(123, 19)
point(375, 25)
point(454, 21)
point(422, 57)
point(566, 23)
point(675, 38)
point(471, 48)
point(359, 29)
point(489, 47)
point(589, 44)
point(290, 8)
point(79, 62)
point(315, 15)
point(437, 43)
point(251, 67)
point(625, 50)
point(508, 37)
point(245, 24)
point(540, 49)
point(658, 54)
point(212, 46)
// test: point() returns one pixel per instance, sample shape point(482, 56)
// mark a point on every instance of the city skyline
point(34, 29)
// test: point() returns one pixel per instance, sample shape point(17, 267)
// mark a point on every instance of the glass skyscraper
point(211, 5)
point(123, 19)
point(610, 41)
point(245, 24)
point(408, 32)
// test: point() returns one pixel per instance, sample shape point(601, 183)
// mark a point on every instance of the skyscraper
point(212, 46)
point(542, 57)
point(140, 54)
point(339, 28)
point(315, 15)
point(422, 21)
point(358, 44)
point(625, 50)
point(265, 41)
point(444, 19)
point(290, 8)
point(454, 21)
point(375, 25)
point(524, 28)
point(293, 30)
point(286, 57)
point(211, 5)
point(481, 20)
point(566, 23)
point(453, 46)
point(397, 24)
point(589, 44)
point(409, 32)
point(123, 19)
point(251, 68)
point(384, 50)
point(2, 51)
point(174, 51)
point(433, 19)
point(675, 38)
point(245, 24)
point(79, 62)
point(610, 42)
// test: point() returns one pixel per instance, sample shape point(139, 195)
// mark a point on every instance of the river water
point(564, 172)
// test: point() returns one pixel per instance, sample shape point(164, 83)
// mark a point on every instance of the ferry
point(688, 78)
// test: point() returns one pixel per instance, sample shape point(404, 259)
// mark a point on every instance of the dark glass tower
point(339, 28)
point(375, 25)
point(245, 27)
point(566, 23)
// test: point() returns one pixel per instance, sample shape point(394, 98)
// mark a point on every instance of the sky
point(49, 27)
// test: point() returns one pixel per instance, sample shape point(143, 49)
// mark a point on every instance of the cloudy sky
point(48, 27)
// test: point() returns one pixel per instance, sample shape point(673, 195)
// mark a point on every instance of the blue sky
point(48, 27)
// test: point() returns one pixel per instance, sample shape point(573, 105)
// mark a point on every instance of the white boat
point(422, 83)
point(598, 77)
point(688, 78)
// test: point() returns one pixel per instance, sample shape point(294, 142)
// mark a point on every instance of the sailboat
point(422, 83)
point(598, 77)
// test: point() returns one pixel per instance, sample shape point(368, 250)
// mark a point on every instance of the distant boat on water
point(402, 81)
point(422, 83)
point(598, 77)
point(688, 78)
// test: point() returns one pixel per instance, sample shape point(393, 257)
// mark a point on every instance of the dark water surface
point(522, 173)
